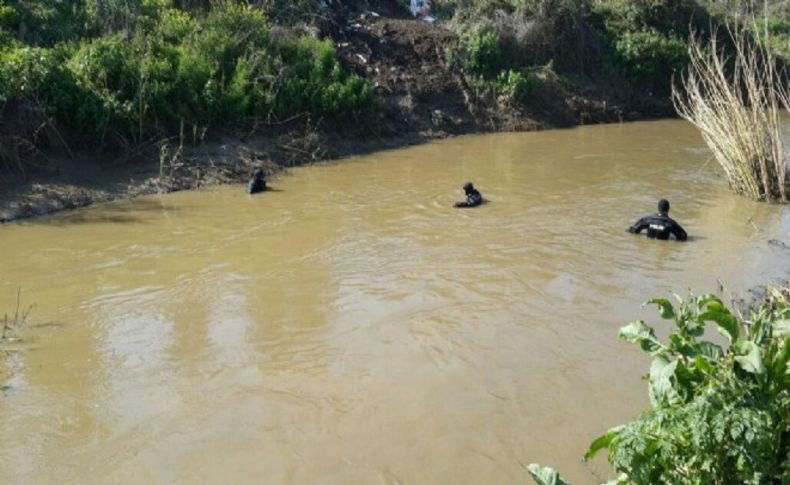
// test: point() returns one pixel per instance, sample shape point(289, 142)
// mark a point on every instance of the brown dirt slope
point(406, 59)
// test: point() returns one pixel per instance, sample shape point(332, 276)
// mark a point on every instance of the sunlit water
point(351, 327)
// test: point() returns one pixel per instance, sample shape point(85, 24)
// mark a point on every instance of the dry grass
point(737, 105)
point(11, 323)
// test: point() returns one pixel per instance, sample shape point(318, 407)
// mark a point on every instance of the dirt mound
point(405, 59)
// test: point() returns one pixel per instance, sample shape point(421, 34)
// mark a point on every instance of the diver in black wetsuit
point(660, 226)
point(473, 196)
point(257, 182)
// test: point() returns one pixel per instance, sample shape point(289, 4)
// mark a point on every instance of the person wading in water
point(257, 182)
point(659, 226)
point(473, 196)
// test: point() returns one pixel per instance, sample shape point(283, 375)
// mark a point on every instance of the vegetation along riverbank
point(719, 414)
point(108, 98)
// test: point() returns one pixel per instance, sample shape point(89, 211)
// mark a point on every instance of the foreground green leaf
point(725, 321)
point(640, 333)
point(544, 475)
point(719, 415)
point(665, 307)
point(782, 328)
point(602, 442)
point(662, 390)
point(749, 357)
point(708, 349)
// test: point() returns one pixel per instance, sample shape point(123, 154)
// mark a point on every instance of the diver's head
point(257, 174)
point(663, 206)
point(468, 187)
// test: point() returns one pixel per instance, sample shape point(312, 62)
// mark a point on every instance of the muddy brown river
point(351, 327)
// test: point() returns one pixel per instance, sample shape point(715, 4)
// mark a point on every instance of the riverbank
point(76, 184)
point(419, 96)
point(428, 81)
point(230, 160)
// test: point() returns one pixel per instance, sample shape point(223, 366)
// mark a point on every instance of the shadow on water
point(126, 212)
point(266, 190)
point(45, 325)
point(692, 238)
point(779, 244)
point(459, 205)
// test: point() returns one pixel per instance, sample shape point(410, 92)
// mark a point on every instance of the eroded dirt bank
point(421, 96)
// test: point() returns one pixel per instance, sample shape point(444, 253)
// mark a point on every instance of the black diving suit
point(473, 199)
point(659, 226)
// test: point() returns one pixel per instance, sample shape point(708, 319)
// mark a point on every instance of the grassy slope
point(119, 76)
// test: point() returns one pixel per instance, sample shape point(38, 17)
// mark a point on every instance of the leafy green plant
point(163, 66)
point(23, 71)
point(508, 86)
point(516, 84)
point(290, 12)
point(650, 57)
point(9, 17)
point(484, 54)
point(544, 475)
point(720, 413)
point(312, 80)
point(45, 22)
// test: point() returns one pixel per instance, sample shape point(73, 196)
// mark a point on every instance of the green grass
point(107, 72)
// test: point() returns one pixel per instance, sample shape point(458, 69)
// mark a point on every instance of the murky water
point(351, 327)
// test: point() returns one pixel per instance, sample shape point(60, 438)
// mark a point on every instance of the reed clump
point(736, 101)
point(9, 324)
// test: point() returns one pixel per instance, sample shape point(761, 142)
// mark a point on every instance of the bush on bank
point(647, 56)
point(639, 44)
point(720, 414)
point(128, 70)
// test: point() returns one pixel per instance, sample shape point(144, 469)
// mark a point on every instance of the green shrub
point(108, 64)
point(23, 71)
point(720, 414)
point(484, 54)
point(313, 80)
point(650, 57)
point(124, 70)
point(208, 58)
point(9, 17)
point(777, 26)
point(290, 12)
point(621, 16)
point(86, 112)
point(516, 85)
point(46, 22)
point(41, 76)
point(107, 68)
point(175, 25)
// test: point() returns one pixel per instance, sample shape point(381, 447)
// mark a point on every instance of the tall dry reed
point(736, 102)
